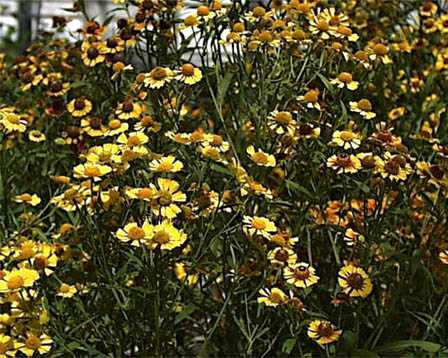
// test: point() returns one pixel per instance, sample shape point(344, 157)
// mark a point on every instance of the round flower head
point(7, 346)
point(79, 107)
point(165, 236)
point(134, 234)
point(300, 275)
point(35, 343)
point(261, 158)
point(282, 256)
point(345, 79)
point(31, 199)
point(354, 281)
point(323, 332)
point(158, 77)
point(91, 171)
point(364, 108)
point(273, 297)
point(344, 163)
point(128, 110)
point(346, 139)
point(189, 74)
point(165, 198)
point(167, 164)
point(66, 291)
point(258, 225)
point(17, 279)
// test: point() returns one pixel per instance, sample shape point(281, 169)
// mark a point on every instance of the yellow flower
point(18, 278)
point(79, 107)
point(346, 139)
point(34, 343)
point(261, 158)
point(281, 123)
point(134, 139)
point(166, 197)
point(115, 126)
point(258, 225)
point(323, 332)
point(12, 122)
point(396, 113)
point(45, 259)
point(443, 256)
point(158, 77)
point(352, 238)
point(394, 167)
point(363, 107)
point(7, 346)
point(33, 199)
point(354, 281)
point(36, 136)
point(66, 291)
point(282, 256)
point(189, 74)
point(146, 194)
point(91, 55)
point(90, 170)
point(273, 297)
point(344, 163)
point(128, 110)
point(182, 275)
point(345, 79)
point(167, 164)
point(135, 234)
point(300, 275)
point(311, 98)
point(165, 236)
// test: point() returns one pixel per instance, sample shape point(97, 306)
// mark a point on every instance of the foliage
point(242, 181)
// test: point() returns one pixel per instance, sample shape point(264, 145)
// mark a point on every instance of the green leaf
point(186, 312)
point(403, 345)
point(224, 86)
point(289, 345)
point(294, 186)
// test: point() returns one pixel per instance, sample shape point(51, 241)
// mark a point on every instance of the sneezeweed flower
point(306, 131)
point(7, 346)
point(112, 46)
point(380, 52)
point(66, 291)
point(344, 163)
point(45, 260)
point(345, 79)
point(184, 276)
point(146, 194)
point(352, 238)
point(17, 279)
point(272, 297)
point(393, 167)
point(148, 123)
point(12, 122)
point(258, 226)
point(91, 55)
point(91, 171)
point(443, 256)
point(282, 256)
point(79, 107)
point(300, 275)
point(31, 199)
point(189, 74)
point(428, 9)
point(281, 122)
point(36, 136)
point(311, 98)
point(261, 158)
point(323, 332)
point(128, 109)
point(396, 113)
point(346, 139)
point(135, 234)
point(57, 88)
point(284, 239)
point(168, 164)
point(133, 139)
point(354, 281)
point(35, 343)
point(115, 126)
point(363, 107)
point(158, 77)
point(165, 198)
point(165, 236)
point(93, 127)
